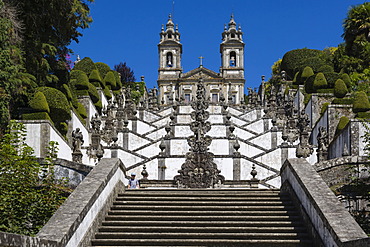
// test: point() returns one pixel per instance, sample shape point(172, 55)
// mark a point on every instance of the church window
point(233, 35)
point(215, 97)
point(169, 59)
point(169, 35)
point(187, 98)
point(233, 98)
point(232, 59)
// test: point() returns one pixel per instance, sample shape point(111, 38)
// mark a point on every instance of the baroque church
point(229, 82)
point(213, 170)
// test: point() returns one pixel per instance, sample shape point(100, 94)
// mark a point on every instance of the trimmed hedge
point(82, 92)
point(307, 72)
point(319, 82)
point(107, 93)
point(59, 107)
point(110, 80)
point(361, 102)
point(95, 79)
point(343, 101)
point(347, 80)
point(102, 68)
point(39, 103)
point(331, 78)
point(343, 121)
point(307, 98)
point(324, 107)
point(37, 116)
point(314, 62)
point(86, 65)
point(294, 60)
point(93, 93)
point(99, 106)
point(340, 89)
point(118, 80)
point(326, 69)
point(365, 115)
point(63, 128)
point(79, 79)
point(308, 85)
point(325, 90)
point(65, 89)
point(81, 110)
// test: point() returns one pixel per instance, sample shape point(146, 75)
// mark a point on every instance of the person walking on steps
point(133, 183)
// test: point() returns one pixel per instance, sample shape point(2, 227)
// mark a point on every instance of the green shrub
point(347, 80)
point(99, 106)
point(81, 110)
point(308, 85)
point(325, 90)
point(324, 107)
point(331, 78)
point(343, 121)
point(36, 116)
point(93, 93)
point(364, 115)
point(293, 60)
point(326, 69)
point(65, 89)
point(95, 79)
point(110, 80)
point(343, 101)
point(107, 93)
point(340, 89)
point(63, 128)
point(118, 80)
point(39, 103)
point(86, 65)
point(82, 92)
point(307, 98)
point(360, 102)
point(79, 80)
point(58, 104)
point(314, 62)
point(72, 91)
point(320, 82)
point(296, 78)
point(307, 72)
point(102, 68)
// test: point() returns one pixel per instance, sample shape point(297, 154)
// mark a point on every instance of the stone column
point(274, 131)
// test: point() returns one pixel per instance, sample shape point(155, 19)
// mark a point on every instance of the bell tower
point(169, 51)
point(232, 60)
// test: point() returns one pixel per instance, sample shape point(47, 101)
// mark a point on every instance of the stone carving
point(199, 170)
point(95, 149)
point(76, 144)
point(304, 149)
point(95, 123)
point(322, 144)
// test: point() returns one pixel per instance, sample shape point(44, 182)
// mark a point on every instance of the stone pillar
point(274, 137)
point(44, 138)
point(125, 138)
point(134, 125)
point(161, 168)
point(236, 158)
point(284, 152)
point(266, 124)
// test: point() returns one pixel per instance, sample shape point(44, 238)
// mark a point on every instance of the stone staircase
point(201, 217)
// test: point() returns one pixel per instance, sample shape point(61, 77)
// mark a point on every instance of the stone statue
point(95, 123)
point(77, 140)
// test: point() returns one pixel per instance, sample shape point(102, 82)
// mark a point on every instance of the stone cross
point(201, 60)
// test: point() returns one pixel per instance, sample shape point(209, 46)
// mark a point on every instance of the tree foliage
point(29, 192)
point(127, 74)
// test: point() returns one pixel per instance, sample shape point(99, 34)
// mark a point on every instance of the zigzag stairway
point(202, 217)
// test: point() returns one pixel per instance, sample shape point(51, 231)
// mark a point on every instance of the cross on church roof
point(201, 61)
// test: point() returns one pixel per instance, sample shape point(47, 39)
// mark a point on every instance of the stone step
point(208, 229)
point(220, 223)
point(162, 208)
point(206, 199)
point(150, 213)
point(204, 242)
point(200, 218)
point(204, 203)
point(200, 235)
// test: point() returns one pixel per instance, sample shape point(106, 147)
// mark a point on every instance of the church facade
point(228, 83)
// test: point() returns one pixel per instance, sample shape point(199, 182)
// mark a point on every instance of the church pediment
point(201, 72)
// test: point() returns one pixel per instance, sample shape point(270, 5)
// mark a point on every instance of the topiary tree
point(95, 78)
point(93, 93)
point(107, 93)
point(81, 110)
point(110, 80)
point(347, 80)
point(38, 103)
point(360, 102)
point(340, 89)
point(308, 85)
point(319, 82)
point(102, 68)
point(307, 72)
point(79, 80)
point(326, 69)
point(343, 121)
point(86, 65)
point(118, 81)
point(293, 60)
point(59, 107)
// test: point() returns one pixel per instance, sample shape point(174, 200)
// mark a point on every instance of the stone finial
point(236, 145)
point(254, 172)
point(144, 173)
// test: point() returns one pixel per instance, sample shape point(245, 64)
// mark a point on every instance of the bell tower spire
point(170, 51)
point(232, 59)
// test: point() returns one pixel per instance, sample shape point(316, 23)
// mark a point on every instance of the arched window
point(233, 35)
point(233, 59)
point(169, 59)
point(169, 35)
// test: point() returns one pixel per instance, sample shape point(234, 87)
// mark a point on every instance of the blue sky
point(128, 31)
